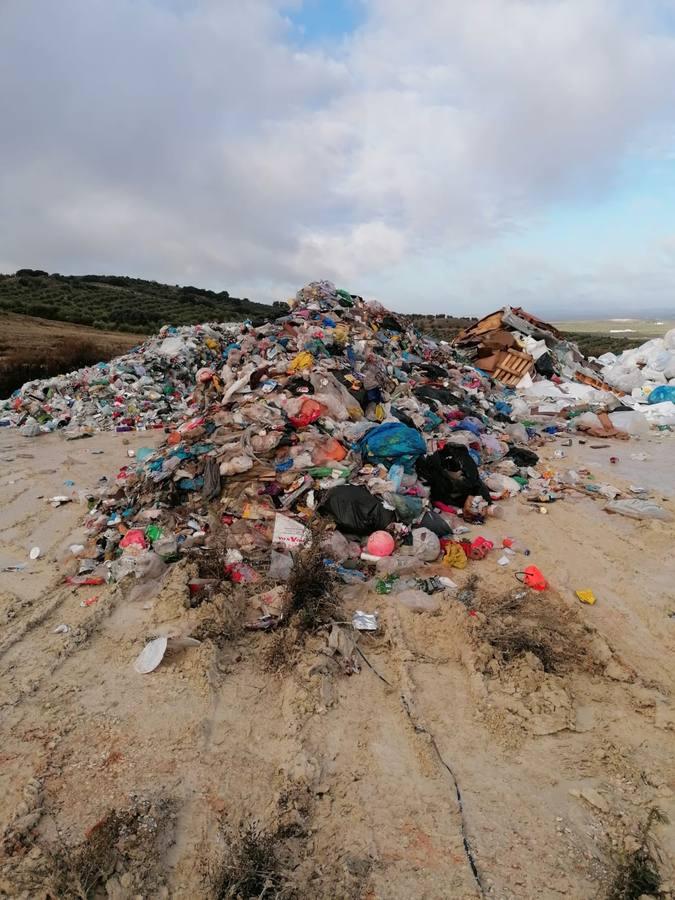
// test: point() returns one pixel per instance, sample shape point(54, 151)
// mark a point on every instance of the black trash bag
point(452, 475)
point(523, 457)
point(390, 323)
point(544, 365)
point(402, 417)
point(298, 385)
point(437, 395)
point(211, 488)
point(431, 370)
point(435, 522)
point(356, 510)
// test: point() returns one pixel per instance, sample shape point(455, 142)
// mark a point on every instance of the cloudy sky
point(441, 155)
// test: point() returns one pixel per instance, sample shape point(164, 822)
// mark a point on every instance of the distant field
point(638, 329)
point(31, 348)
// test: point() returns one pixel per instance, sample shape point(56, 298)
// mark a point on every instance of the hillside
point(119, 303)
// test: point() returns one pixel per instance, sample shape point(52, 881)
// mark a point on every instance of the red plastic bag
point(310, 411)
point(478, 548)
point(135, 537)
point(533, 578)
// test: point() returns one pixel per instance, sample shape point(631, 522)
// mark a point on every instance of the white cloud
point(191, 141)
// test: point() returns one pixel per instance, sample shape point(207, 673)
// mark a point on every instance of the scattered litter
point(533, 578)
point(637, 508)
point(151, 655)
point(586, 596)
point(35, 553)
point(61, 629)
point(363, 621)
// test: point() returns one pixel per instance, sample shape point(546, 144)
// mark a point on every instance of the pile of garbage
point(338, 410)
point(647, 375)
point(149, 387)
point(514, 347)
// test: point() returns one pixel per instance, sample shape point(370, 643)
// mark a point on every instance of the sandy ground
point(358, 775)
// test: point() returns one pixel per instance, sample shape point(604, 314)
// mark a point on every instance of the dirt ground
point(442, 769)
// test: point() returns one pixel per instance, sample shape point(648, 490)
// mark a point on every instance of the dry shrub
point(222, 619)
point(636, 872)
point(128, 837)
point(312, 597)
point(280, 653)
point(527, 622)
point(77, 871)
point(211, 560)
point(250, 867)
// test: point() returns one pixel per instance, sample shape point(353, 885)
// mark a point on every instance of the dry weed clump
point(527, 622)
point(312, 595)
point(280, 654)
point(250, 867)
point(127, 839)
point(635, 872)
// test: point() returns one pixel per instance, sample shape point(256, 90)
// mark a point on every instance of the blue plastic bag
point(392, 443)
point(661, 393)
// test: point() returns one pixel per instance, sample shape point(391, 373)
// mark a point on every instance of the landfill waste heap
point(512, 345)
point(339, 410)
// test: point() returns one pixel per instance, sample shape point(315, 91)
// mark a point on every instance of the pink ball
point(380, 543)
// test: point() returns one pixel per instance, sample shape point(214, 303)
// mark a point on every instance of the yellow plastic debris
point(341, 334)
point(586, 597)
point(302, 361)
point(455, 556)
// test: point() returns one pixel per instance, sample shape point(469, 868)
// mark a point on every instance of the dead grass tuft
point(636, 872)
point(524, 622)
point(250, 867)
point(312, 597)
point(128, 839)
point(280, 654)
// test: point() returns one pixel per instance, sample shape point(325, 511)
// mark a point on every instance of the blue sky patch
point(324, 20)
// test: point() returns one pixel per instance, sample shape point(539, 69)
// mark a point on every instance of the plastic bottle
point(517, 546)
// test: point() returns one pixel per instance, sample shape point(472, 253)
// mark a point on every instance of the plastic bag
point(417, 601)
point(393, 442)
point(518, 432)
point(356, 510)
point(502, 484)
point(452, 475)
point(662, 393)
point(426, 545)
point(303, 360)
point(235, 465)
point(280, 565)
point(639, 509)
point(329, 450)
point(533, 578)
point(310, 411)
